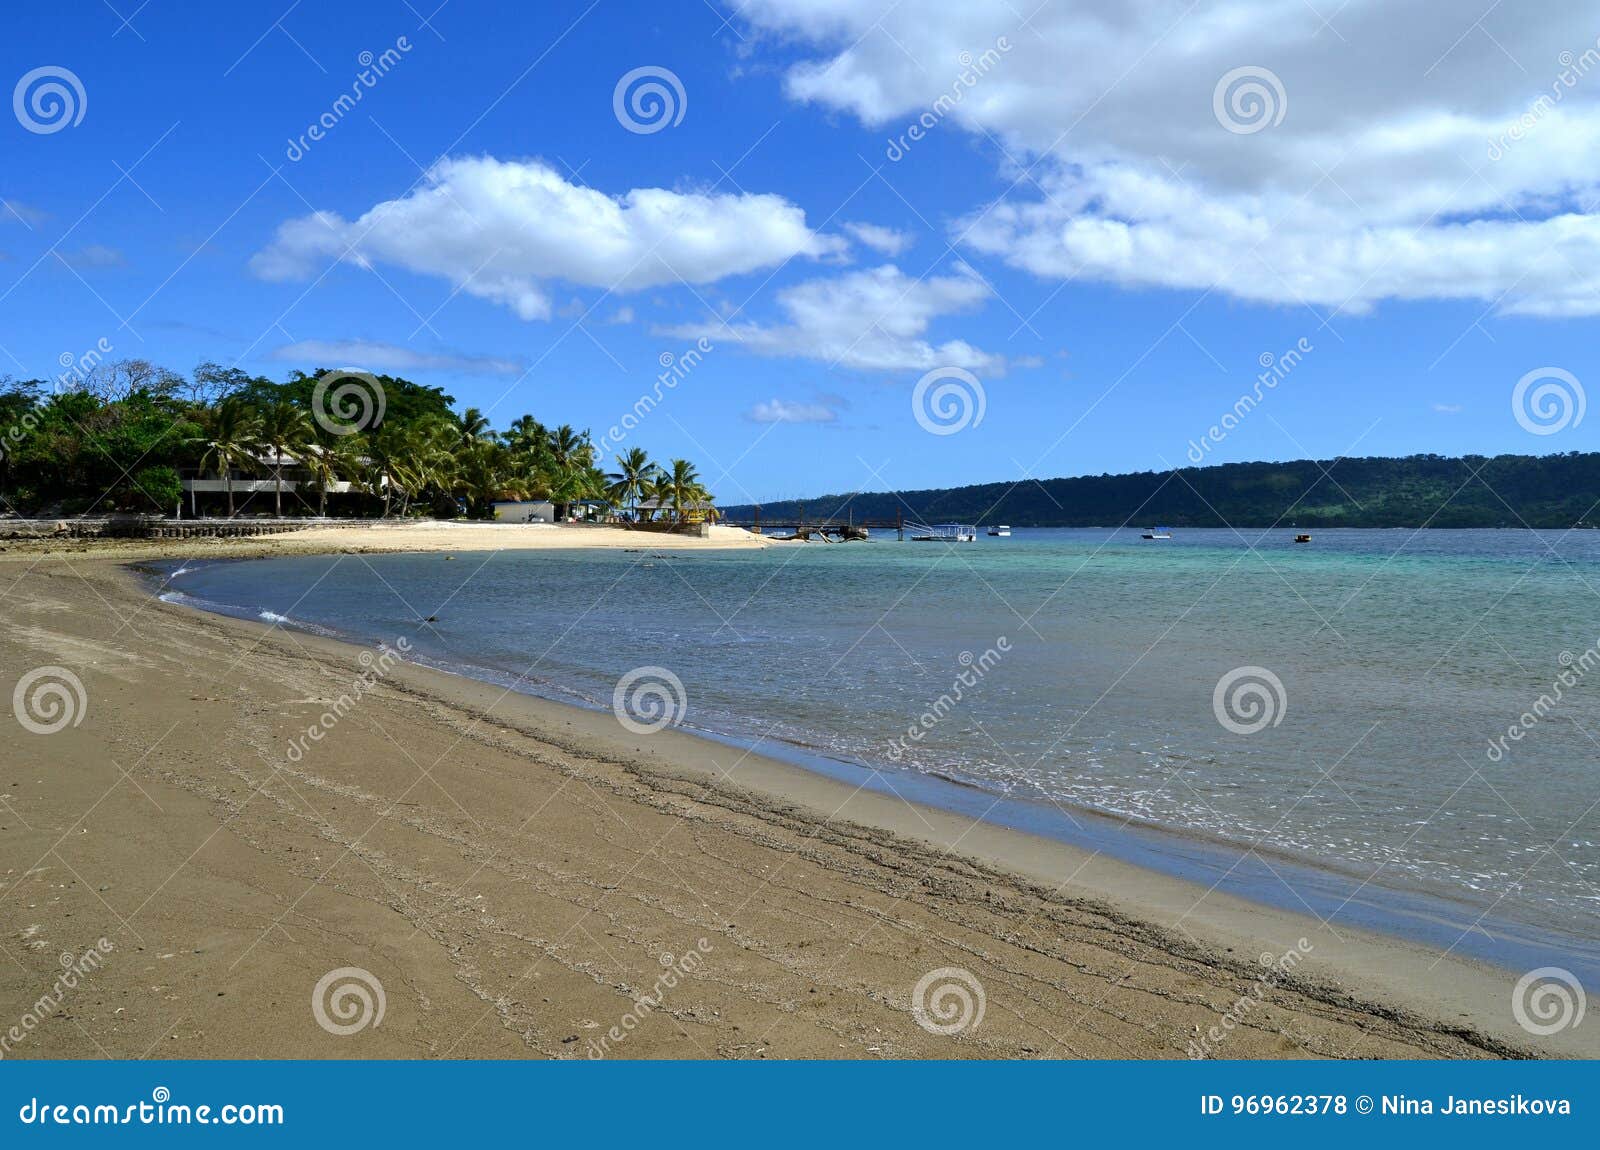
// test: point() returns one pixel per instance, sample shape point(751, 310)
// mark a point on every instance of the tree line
point(120, 437)
point(1550, 491)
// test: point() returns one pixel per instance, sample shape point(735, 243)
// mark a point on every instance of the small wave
point(272, 617)
point(180, 571)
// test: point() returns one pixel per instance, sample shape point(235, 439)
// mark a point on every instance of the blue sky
point(1081, 231)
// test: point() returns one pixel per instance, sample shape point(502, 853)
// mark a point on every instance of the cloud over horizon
point(869, 320)
point(789, 411)
point(372, 356)
point(1385, 166)
point(504, 230)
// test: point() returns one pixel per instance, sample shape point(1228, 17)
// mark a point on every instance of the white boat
point(1157, 533)
point(943, 533)
point(1000, 532)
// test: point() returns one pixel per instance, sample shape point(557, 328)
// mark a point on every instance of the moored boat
point(943, 533)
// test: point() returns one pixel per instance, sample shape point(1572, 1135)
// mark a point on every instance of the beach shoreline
point(376, 537)
point(1041, 924)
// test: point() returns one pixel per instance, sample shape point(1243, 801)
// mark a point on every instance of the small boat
point(1302, 539)
point(1000, 532)
point(943, 533)
point(1157, 533)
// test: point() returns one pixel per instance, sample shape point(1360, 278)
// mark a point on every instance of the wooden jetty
point(829, 529)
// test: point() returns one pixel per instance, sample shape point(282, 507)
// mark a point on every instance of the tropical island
point(1546, 491)
point(129, 436)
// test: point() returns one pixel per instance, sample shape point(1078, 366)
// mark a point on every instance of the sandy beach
point(516, 874)
point(375, 537)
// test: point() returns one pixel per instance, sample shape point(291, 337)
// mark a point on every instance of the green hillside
point(1552, 491)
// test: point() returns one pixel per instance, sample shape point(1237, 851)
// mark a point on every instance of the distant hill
point(1551, 491)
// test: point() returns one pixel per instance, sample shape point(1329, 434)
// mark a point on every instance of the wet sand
point(516, 874)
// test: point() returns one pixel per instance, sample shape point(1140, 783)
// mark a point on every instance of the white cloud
point(503, 230)
point(785, 411)
point(873, 320)
point(1395, 172)
point(20, 212)
point(364, 355)
point(886, 240)
point(93, 256)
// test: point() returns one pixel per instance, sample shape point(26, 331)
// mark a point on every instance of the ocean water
point(1357, 763)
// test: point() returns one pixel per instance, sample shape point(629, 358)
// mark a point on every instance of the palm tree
point(571, 457)
point(284, 429)
point(680, 486)
point(387, 451)
point(332, 461)
point(567, 446)
point(524, 430)
point(437, 459)
point(633, 475)
point(474, 426)
point(235, 429)
point(484, 472)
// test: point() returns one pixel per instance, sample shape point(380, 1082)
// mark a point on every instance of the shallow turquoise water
point(1401, 655)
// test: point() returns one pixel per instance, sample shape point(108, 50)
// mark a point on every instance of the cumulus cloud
point(503, 230)
point(1424, 151)
point(873, 320)
point(92, 256)
point(22, 213)
point(365, 355)
point(785, 411)
point(881, 239)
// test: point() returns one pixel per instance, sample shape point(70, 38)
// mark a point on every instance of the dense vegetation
point(120, 437)
point(1554, 491)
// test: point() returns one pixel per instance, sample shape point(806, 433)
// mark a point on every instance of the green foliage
point(155, 489)
point(132, 431)
point(1552, 491)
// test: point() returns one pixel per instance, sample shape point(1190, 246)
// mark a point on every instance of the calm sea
point(1358, 763)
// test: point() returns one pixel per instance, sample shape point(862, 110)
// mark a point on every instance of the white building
point(524, 511)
